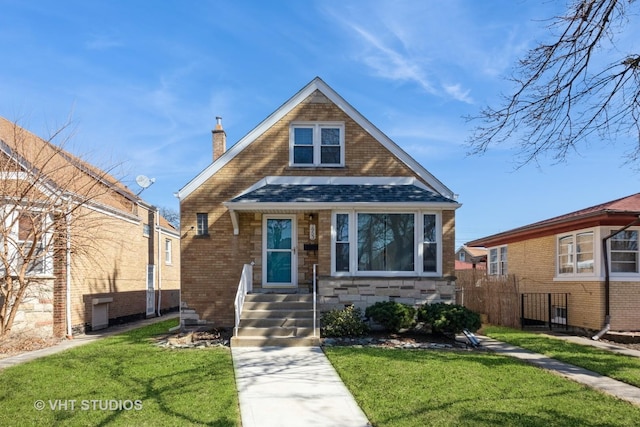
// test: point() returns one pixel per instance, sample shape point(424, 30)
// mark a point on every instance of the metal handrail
point(244, 287)
point(315, 267)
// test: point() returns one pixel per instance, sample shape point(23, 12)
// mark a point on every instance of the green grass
point(449, 388)
point(172, 387)
point(617, 366)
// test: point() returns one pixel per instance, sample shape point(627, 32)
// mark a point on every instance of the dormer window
point(316, 144)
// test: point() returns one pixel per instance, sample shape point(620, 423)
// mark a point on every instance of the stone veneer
point(35, 314)
point(337, 292)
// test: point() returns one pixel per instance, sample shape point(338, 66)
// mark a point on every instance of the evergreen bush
point(347, 322)
point(449, 318)
point(391, 315)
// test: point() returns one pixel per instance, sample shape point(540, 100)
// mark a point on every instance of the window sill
point(202, 236)
point(314, 167)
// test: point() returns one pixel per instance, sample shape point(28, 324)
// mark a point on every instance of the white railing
point(315, 267)
point(244, 287)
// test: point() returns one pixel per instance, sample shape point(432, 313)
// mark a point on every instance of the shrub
point(347, 322)
point(392, 315)
point(449, 318)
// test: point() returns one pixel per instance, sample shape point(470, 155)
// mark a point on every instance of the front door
point(279, 251)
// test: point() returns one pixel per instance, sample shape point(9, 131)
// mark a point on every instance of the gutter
point(607, 281)
point(68, 284)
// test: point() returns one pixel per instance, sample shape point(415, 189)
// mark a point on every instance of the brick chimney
point(219, 140)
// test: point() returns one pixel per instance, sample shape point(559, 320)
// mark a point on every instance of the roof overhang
point(247, 202)
point(547, 228)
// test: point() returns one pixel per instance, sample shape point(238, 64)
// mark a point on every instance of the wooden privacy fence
point(496, 297)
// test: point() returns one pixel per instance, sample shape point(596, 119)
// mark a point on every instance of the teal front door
point(279, 251)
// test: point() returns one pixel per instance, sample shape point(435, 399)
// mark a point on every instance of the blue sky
point(144, 80)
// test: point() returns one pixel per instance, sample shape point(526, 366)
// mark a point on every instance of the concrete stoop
point(281, 320)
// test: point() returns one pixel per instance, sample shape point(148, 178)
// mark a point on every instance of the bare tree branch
point(564, 96)
point(49, 198)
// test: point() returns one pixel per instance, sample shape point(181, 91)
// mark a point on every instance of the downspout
point(68, 271)
point(159, 263)
point(607, 280)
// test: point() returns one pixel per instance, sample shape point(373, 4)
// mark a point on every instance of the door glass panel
point(278, 234)
point(279, 267)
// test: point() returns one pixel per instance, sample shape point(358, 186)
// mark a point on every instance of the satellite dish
point(144, 182)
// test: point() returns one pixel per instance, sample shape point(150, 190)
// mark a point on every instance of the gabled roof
point(316, 84)
point(616, 212)
point(53, 166)
point(474, 252)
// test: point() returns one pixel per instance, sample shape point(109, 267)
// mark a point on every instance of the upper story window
point(498, 261)
point(575, 253)
point(317, 144)
point(146, 230)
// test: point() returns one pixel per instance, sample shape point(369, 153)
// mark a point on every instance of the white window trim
point(316, 126)
point(14, 242)
point(596, 254)
point(498, 260)
point(618, 275)
point(168, 252)
point(418, 265)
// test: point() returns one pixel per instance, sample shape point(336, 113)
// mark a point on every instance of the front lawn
point(620, 367)
point(416, 388)
point(123, 380)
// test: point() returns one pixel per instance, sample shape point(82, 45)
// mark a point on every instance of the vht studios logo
point(88, 405)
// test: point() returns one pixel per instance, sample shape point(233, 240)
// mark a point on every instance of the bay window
point(374, 243)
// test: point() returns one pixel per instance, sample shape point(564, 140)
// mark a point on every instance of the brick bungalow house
point(590, 255)
point(314, 184)
point(107, 259)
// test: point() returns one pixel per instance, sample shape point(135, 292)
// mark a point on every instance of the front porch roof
point(278, 194)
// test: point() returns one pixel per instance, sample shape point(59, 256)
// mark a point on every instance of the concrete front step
point(278, 298)
point(277, 305)
point(277, 314)
point(270, 323)
point(248, 341)
point(270, 319)
point(276, 332)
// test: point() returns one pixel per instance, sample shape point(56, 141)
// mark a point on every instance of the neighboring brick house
point(468, 258)
point(315, 184)
point(592, 255)
point(121, 261)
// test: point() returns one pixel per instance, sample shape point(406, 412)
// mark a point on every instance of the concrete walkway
point(292, 386)
point(599, 382)
point(81, 340)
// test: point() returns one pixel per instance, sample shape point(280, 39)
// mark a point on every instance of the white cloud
point(456, 91)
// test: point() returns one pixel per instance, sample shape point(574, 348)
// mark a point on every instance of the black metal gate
point(544, 311)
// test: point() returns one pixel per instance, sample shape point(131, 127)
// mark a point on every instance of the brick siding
point(211, 265)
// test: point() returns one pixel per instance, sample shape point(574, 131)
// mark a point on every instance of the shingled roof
point(354, 193)
point(615, 212)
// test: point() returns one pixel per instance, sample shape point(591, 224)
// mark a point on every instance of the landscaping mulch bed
point(18, 344)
